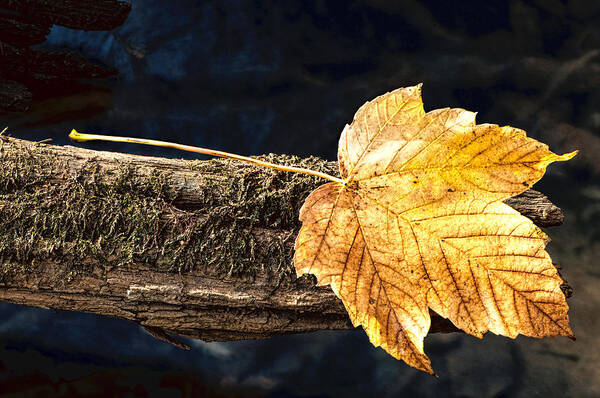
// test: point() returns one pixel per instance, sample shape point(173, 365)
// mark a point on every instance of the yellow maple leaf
point(418, 222)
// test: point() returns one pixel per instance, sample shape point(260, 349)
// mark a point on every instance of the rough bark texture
point(194, 248)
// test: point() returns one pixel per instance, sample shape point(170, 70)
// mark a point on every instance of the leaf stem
point(81, 137)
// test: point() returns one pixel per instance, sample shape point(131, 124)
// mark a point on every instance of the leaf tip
point(568, 333)
point(567, 156)
point(423, 363)
point(429, 369)
point(552, 157)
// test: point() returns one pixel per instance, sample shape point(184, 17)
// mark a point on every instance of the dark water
point(255, 77)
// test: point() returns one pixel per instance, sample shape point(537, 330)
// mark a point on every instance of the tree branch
point(192, 248)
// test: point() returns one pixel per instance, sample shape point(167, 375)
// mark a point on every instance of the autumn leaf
point(418, 222)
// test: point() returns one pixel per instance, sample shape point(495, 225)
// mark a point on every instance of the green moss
point(113, 220)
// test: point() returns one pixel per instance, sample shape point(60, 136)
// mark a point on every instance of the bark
point(20, 31)
point(30, 74)
point(44, 67)
point(79, 14)
point(14, 96)
point(193, 248)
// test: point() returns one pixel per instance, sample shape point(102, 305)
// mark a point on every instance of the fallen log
point(201, 249)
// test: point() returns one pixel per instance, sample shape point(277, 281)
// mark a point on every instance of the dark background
point(255, 77)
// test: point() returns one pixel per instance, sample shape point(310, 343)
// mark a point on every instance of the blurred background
point(255, 77)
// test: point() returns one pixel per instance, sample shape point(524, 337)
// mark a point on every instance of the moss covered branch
point(194, 248)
